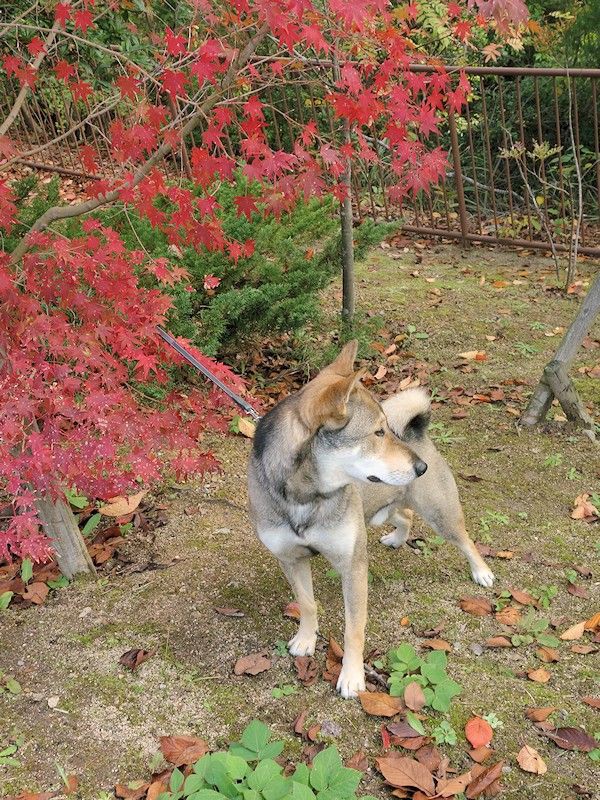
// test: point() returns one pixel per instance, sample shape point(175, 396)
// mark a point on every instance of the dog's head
point(351, 429)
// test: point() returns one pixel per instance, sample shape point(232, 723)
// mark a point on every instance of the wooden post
point(348, 303)
point(61, 527)
point(543, 394)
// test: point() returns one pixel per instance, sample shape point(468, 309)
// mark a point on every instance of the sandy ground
point(107, 721)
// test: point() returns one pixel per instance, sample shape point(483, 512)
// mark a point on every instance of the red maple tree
point(78, 315)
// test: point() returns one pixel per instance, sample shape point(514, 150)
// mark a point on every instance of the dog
point(326, 461)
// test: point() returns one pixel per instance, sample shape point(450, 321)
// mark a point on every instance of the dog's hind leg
point(299, 574)
point(402, 518)
point(440, 507)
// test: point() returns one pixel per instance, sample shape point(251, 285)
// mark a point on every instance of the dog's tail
point(408, 413)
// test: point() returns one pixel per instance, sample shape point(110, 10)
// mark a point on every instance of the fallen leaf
point(307, 668)
point(508, 616)
point(540, 675)
point(333, 662)
point(583, 509)
point(531, 761)
point(32, 796)
point(498, 641)
point(583, 649)
point(299, 722)
point(156, 788)
point(479, 732)
point(246, 427)
point(292, 610)
point(36, 592)
point(452, 786)
point(430, 756)
point(594, 702)
point(474, 355)
point(481, 754)
point(547, 654)
point(229, 612)
point(119, 506)
point(358, 761)
point(414, 697)
point(437, 644)
point(524, 598)
point(252, 664)
point(578, 591)
point(575, 632)
point(572, 739)
point(406, 772)
point(313, 732)
point(71, 784)
point(584, 571)
point(593, 623)
point(478, 606)
point(131, 791)
point(539, 714)
point(380, 704)
point(485, 781)
point(180, 750)
point(133, 658)
point(53, 701)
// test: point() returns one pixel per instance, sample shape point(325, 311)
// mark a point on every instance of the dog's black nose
point(420, 468)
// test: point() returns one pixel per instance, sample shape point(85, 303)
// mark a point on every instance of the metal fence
point(486, 196)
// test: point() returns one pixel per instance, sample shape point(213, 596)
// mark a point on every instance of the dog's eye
point(380, 432)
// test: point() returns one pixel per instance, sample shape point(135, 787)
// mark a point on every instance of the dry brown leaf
point(583, 649)
point(481, 754)
point(36, 592)
point(474, 355)
point(539, 714)
point(593, 623)
point(547, 654)
point(156, 788)
point(333, 662)
point(540, 675)
point(524, 598)
point(120, 506)
point(252, 664)
point(246, 427)
point(71, 784)
point(578, 591)
point(594, 702)
point(307, 668)
point(380, 704)
point(133, 658)
point(299, 722)
point(498, 641)
point(479, 732)
point(437, 644)
point(572, 739)
point(452, 786)
point(226, 611)
point(32, 796)
point(478, 606)
point(292, 610)
point(358, 761)
point(583, 509)
point(414, 697)
point(131, 791)
point(574, 632)
point(485, 782)
point(508, 616)
point(430, 756)
point(180, 750)
point(531, 761)
point(403, 772)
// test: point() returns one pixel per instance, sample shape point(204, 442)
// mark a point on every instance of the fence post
point(347, 240)
point(458, 177)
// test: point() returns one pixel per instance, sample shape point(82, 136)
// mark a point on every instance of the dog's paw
point(483, 576)
point(393, 539)
point(302, 645)
point(350, 682)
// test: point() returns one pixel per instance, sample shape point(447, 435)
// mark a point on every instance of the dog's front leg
point(353, 568)
point(299, 574)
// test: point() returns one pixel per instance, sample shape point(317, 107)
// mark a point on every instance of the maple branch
point(14, 112)
point(67, 212)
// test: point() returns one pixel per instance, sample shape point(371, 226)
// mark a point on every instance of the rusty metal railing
point(484, 197)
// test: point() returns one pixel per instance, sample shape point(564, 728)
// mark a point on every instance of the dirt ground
point(107, 721)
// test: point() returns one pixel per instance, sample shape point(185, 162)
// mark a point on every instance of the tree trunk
point(61, 527)
point(543, 394)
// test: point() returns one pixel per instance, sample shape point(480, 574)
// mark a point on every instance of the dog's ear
point(344, 363)
point(328, 406)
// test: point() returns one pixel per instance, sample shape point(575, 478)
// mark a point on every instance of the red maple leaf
point(174, 83)
point(211, 282)
point(246, 205)
point(176, 43)
point(62, 12)
point(63, 70)
point(83, 20)
point(128, 85)
point(36, 46)
point(80, 90)
point(462, 30)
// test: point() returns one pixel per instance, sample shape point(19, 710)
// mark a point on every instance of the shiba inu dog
point(330, 459)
